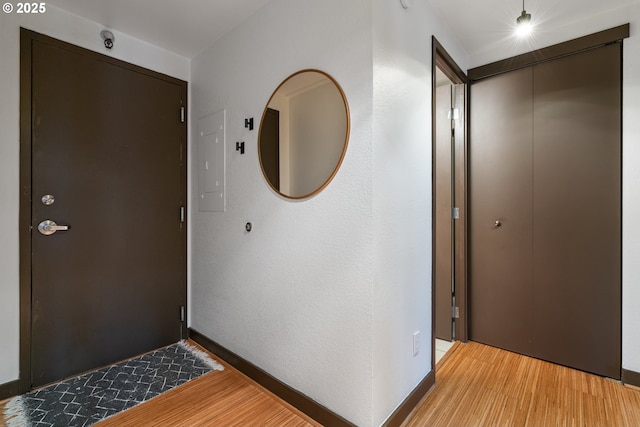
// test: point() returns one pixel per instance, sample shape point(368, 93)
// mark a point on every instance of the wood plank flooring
point(477, 385)
point(219, 398)
point(222, 398)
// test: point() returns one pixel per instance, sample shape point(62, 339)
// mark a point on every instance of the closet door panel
point(577, 210)
point(500, 254)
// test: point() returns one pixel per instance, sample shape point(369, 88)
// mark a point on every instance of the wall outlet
point(416, 343)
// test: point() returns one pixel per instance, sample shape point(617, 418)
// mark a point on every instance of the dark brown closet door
point(576, 210)
point(500, 192)
point(545, 163)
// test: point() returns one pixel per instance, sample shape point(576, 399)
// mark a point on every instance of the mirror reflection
point(303, 134)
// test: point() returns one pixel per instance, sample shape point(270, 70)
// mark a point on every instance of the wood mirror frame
point(310, 103)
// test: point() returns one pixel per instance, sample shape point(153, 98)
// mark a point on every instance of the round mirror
point(303, 134)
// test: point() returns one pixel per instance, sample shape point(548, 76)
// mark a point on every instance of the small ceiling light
point(523, 22)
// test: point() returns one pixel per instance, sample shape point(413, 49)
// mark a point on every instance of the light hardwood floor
point(477, 385)
point(219, 398)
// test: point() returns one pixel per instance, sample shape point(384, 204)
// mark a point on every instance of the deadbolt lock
point(47, 199)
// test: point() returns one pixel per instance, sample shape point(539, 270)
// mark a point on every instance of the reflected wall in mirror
point(304, 133)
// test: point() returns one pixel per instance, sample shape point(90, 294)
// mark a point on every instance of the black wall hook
point(240, 147)
point(248, 123)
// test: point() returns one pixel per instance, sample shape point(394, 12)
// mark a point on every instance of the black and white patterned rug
point(92, 397)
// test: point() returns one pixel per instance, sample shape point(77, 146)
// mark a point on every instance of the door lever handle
point(48, 227)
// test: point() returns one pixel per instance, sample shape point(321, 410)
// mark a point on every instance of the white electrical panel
point(211, 163)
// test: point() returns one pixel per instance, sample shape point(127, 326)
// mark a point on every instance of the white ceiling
point(186, 27)
point(485, 28)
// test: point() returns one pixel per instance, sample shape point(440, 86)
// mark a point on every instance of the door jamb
point(24, 379)
point(440, 58)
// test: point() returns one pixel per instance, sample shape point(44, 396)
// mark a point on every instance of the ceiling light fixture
point(523, 22)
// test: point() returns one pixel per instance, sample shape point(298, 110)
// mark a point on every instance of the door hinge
point(182, 114)
point(455, 312)
point(182, 313)
point(454, 114)
point(455, 213)
point(182, 214)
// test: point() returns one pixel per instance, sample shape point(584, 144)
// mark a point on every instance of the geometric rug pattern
point(92, 397)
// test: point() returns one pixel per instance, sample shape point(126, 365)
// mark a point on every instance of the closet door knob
point(497, 224)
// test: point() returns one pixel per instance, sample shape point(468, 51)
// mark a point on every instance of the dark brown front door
point(545, 229)
point(108, 151)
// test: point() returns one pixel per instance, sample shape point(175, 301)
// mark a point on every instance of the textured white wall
point(630, 148)
point(293, 296)
point(73, 29)
point(402, 195)
point(326, 293)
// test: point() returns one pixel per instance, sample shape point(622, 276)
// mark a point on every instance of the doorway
point(449, 201)
point(102, 213)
